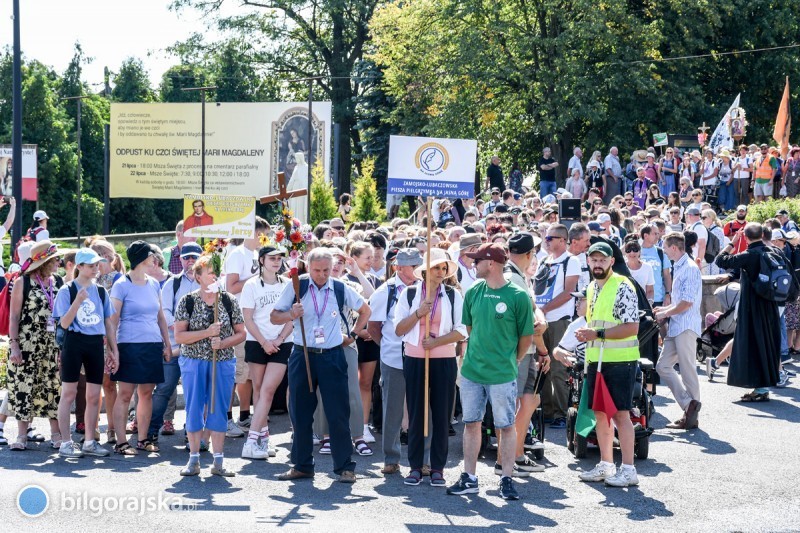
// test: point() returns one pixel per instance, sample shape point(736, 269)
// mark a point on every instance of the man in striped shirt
point(683, 329)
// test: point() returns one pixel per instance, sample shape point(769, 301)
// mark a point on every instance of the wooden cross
point(704, 128)
point(283, 194)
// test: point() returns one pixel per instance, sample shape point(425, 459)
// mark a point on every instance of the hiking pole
point(214, 356)
point(427, 319)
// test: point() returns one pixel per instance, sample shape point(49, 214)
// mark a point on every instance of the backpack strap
point(228, 305)
point(176, 285)
point(338, 291)
point(392, 297)
point(411, 293)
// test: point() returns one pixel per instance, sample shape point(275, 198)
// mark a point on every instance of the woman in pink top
point(443, 304)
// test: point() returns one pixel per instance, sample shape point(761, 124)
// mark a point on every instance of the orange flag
point(783, 124)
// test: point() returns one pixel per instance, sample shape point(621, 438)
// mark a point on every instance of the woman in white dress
point(299, 180)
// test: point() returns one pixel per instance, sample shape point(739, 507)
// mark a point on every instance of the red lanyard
point(435, 299)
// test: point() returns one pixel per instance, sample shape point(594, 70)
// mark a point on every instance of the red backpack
point(5, 302)
point(29, 236)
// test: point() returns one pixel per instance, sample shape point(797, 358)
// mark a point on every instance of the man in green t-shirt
point(499, 319)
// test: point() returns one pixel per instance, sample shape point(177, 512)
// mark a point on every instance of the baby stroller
point(720, 326)
point(640, 414)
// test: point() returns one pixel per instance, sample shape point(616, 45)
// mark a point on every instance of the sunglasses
point(633, 250)
point(551, 237)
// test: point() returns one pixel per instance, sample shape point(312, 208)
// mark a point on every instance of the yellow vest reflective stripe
point(764, 170)
point(601, 315)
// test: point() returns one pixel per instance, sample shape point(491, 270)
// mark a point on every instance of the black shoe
point(464, 486)
point(452, 431)
point(404, 438)
point(507, 490)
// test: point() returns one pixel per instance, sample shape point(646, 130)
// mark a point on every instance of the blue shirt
point(169, 303)
point(138, 319)
point(325, 315)
point(652, 258)
point(91, 316)
point(687, 286)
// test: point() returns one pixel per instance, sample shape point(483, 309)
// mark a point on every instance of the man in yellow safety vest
point(611, 335)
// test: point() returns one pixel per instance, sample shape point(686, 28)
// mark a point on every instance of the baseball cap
point(693, 211)
point(601, 247)
point(191, 249)
point(493, 252)
point(742, 207)
point(782, 213)
point(40, 215)
point(602, 218)
point(87, 256)
point(495, 190)
point(267, 250)
point(778, 235)
point(595, 226)
point(337, 223)
point(521, 243)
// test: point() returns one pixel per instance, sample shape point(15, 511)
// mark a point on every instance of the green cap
point(602, 248)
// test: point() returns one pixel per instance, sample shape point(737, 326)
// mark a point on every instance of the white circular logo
point(501, 307)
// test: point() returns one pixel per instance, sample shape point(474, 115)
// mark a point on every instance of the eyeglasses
point(551, 237)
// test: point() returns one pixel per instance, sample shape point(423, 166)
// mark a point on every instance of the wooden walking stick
point(427, 318)
point(214, 356)
point(296, 285)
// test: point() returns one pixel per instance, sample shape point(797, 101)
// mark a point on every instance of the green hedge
point(764, 210)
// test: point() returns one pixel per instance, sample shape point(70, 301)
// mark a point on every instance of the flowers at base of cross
point(216, 249)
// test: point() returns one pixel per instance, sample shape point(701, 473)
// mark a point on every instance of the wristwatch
point(353, 335)
point(601, 333)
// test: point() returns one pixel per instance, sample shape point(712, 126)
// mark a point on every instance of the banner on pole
point(213, 216)
point(156, 148)
point(30, 172)
point(722, 135)
point(660, 139)
point(424, 166)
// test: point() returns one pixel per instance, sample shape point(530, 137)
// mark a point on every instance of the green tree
point(306, 38)
point(366, 204)
point(131, 83)
point(323, 201)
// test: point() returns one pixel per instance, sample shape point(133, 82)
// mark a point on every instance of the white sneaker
point(69, 450)
point(368, 437)
point(252, 450)
point(599, 473)
point(266, 446)
point(314, 437)
point(95, 450)
point(234, 431)
point(625, 477)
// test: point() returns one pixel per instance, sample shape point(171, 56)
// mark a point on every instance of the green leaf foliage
point(323, 201)
point(366, 204)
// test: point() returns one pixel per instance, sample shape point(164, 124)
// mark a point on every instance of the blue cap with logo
point(191, 249)
point(87, 256)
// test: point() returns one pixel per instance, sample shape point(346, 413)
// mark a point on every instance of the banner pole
point(427, 317)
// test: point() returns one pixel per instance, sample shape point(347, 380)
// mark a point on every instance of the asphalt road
point(737, 472)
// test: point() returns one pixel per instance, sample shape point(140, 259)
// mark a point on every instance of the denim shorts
point(502, 396)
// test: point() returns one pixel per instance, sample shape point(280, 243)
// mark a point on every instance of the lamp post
point(16, 136)
point(78, 171)
point(202, 132)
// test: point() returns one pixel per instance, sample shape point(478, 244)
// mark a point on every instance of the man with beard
point(612, 325)
point(736, 226)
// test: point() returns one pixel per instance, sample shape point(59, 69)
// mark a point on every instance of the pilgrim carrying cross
point(283, 194)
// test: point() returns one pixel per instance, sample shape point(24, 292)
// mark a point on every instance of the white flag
point(722, 135)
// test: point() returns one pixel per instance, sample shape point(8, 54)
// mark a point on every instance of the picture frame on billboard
point(289, 137)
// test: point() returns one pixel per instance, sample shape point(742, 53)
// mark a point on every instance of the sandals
point(751, 397)
point(125, 449)
point(111, 436)
point(362, 448)
point(34, 437)
point(19, 445)
point(147, 445)
point(325, 446)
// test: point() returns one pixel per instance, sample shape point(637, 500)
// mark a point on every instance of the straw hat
point(438, 256)
point(41, 252)
point(725, 153)
point(639, 156)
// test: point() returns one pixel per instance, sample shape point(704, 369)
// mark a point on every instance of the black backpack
point(61, 333)
point(775, 280)
point(542, 278)
point(712, 246)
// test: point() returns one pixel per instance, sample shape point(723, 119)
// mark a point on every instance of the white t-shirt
point(644, 275)
point(574, 162)
point(702, 235)
point(391, 344)
point(466, 278)
point(261, 298)
point(744, 162)
point(243, 262)
point(708, 170)
point(555, 286)
point(585, 278)
point(380, 273)
point(569, 342)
